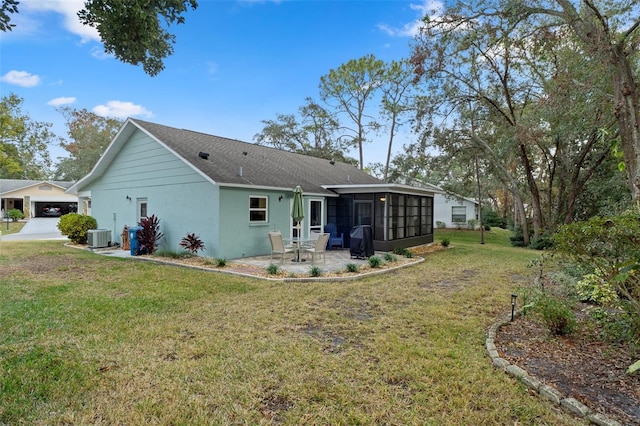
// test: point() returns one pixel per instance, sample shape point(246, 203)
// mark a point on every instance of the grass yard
point(12, 228)
point(90, 339)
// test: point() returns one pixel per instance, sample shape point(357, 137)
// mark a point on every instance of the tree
point(313, 132)
point(348, 89)
point(89, 136)
point(517, 81)
point(24, 143)
point(609, 32)
point(132, 30)
point(397, 99)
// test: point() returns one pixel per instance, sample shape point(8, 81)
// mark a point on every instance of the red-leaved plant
point(192, 242)
point(149, 235)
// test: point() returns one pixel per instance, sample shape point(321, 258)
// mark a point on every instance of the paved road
point(37, 228)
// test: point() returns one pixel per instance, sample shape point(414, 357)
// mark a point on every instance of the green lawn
point(90, 339)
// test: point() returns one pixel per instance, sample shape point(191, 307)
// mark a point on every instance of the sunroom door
point(316, 220)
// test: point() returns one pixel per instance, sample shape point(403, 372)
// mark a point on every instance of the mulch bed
point(579, 366)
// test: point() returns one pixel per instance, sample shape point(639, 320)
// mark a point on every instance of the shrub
point(556, 314)
point(273, 269)
point(149, 235)
point(75, 226)
point(315, 271)
point(542, 242)
point(472, 223)
point(608, 247)
point(517, 239)
point(389, 257)
point(192, 243)
point(15, 215)
point(492, 218)
point(487, 228)
point(374, 262)
point(352, 267)
point(445, 242)
point(440, 224)
point(221, 262)
point(401, 251)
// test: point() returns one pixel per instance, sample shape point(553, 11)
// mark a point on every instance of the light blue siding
point(182, 199)
point(239, 237)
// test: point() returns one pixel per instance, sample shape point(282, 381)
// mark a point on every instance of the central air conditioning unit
point(98, 238)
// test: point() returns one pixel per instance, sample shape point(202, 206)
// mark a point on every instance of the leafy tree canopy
point(89, 136)
point(134, 31)
point(24, 143)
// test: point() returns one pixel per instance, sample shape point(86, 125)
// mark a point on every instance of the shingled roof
point(235, 163)
point(10, 185)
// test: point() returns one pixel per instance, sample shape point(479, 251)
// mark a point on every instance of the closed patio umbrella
point(297, 212)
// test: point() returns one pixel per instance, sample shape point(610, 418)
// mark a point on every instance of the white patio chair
point(278, 247)
point(313, 239)
point(319, 249)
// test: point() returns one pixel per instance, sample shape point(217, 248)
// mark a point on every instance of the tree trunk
point(533, 189)
point(626, 113)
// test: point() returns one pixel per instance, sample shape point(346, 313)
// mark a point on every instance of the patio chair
point(319, 249)
point(278, 247)
point(335, 239)
point(313, 239)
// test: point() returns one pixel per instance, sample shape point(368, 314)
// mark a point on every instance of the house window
point(142, 208)
point(458, 214)
point(257, 209)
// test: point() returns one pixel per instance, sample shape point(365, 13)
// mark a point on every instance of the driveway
point(37, 228)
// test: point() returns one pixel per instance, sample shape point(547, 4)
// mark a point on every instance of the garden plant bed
point(581, 366)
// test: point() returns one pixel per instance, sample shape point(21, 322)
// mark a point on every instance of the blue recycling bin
point(134, 245)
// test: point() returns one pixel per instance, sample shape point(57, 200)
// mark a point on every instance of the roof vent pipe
point(203, 155)
point(240, 171)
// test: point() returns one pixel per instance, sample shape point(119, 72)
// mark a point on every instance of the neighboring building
point(36, 198)
point(231, 193)
point(451, 209)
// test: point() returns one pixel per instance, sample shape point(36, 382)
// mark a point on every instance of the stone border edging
point(418, 259)
point(544, 391)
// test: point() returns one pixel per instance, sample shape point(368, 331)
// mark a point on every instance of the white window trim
point(265, 209)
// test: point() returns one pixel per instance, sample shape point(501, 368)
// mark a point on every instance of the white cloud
point(69, 10)
point(119, 109)
point(65, 100)
point(21, 78)
point(430, 8)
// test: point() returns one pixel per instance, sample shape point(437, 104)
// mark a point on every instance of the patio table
point(299, 242)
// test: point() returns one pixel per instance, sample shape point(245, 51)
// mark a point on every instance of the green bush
point(221, 262)
point(556, 314)
point(389, 257)
point(352, 267)
point(374, 262)
point(273, 269)
point(440, 224)
point(608, 251)
point(75, 226)
point(445, 242)
point(315, 271)
point(15, 215)
point(491, 218)
point(472, 223)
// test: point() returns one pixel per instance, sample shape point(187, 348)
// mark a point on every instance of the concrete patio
point(336, 261)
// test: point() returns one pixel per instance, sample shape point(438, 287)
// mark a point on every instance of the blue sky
point(235, 62)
